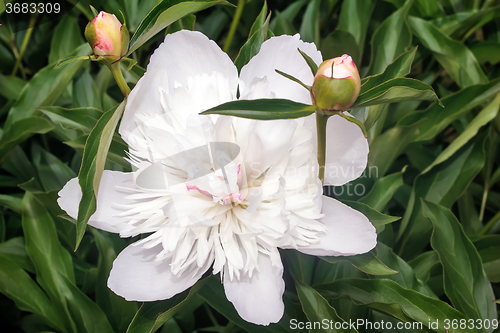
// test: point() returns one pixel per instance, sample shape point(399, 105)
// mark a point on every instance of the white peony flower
point(224, 192)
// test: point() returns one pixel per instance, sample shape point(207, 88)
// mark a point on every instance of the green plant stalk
point(24, 44)
point(234, 25)
point(120, 80)
point(321, 120)
point(494, 220)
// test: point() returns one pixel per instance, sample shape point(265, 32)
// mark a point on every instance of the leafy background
point(436, 168)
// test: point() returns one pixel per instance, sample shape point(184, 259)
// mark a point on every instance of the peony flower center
point(222, 186)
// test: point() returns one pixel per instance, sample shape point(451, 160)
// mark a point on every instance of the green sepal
point(333, 94)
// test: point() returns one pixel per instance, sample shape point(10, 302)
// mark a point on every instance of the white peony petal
point(346, 150)
point(266, 143)
point(280, 53)
point(112, 193)
point(136, 275)
point(258, 299)
point(349, 232)
point(186, 74)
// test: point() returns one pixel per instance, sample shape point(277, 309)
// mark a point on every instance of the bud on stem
point(107, 37)
point(336, 84)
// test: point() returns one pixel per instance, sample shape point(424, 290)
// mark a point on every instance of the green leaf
point(424, 263)
point(94, 158)
point(16, 284)
point(367, 263)
point(485, 116)
point(383, 190)
point(406, 276)
point(55, 273)
point(263, 109)
point(185, 23)
point(396, 90)
point(340, 42)
point(11, 201)
point(312, 65)
point(85, 92)
point(389, 297)
point(354, 18)
point(309, 29)
point(375, 217)
point(118, 311)
point(21, 130)
point(116, 152)
point(398, 68)
point(11, 86)
point(488, 248)
point(14, 249)
point(66, 38)
point(83, 119)
point(52, 172)
point(44, 89)
point(260, 20)
point(255, 39)
point(487, 51)
point(465, 282)
point(390, 39)
point(281, 24)
point(294, 79)
point(164, 14)
point(435, 119)
point(70, 60)
point(455, 57)
point(300, 265)
point(152, 315)
point(444, 183)
point(317, 310)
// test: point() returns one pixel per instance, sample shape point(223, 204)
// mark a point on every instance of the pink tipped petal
point(111, 201)
point(137, 276)
point(349, 232)
point(258, 299)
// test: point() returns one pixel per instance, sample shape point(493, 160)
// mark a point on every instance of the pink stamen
point(232, 198)
point(196, 188)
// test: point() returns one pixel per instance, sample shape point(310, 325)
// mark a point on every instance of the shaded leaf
point(389, 297)
point(94, 158)
point(396, 90)
point(255, 40)
point(465, 282)
point(83, 119)
point(455, 57)
point(367, 263)
point(164, 14)
point(317, 310)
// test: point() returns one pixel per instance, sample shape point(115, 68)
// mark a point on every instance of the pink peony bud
point(336, 84)
point(107, 37)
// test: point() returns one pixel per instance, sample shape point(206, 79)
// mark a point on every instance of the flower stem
point(26, 39)
point(234, 25)
point(120, 80)
point(321, 120)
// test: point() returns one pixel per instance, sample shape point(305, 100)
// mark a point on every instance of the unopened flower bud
point(107, 37)
point(336, 84)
